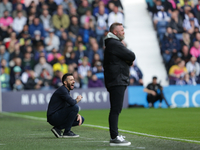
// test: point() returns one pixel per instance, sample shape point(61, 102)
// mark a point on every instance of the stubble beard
point(69, 86)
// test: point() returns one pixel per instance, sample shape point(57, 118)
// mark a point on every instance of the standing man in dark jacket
point(117, 59)
point(63, 110)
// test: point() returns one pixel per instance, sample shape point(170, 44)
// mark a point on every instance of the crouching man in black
point(154, 92)
point(63, 110)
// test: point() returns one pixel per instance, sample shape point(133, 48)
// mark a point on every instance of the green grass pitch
point(183, 123)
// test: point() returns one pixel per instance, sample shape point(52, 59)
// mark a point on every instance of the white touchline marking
point(102, 127)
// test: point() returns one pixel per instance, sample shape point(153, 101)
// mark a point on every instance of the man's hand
point(79, 118)
point(153, 93)
point(78, 99)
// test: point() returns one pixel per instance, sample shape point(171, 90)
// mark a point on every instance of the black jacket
point(117, 59)
point(60, 98)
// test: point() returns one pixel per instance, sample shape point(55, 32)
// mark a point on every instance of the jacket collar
point(111, 35)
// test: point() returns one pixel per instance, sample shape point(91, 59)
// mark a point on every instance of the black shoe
point(69, 134)
point(57, 132)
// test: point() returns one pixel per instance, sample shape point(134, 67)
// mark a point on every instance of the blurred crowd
point(40, 40)
point(177, 25)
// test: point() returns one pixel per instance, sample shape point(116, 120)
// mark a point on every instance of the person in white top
point(19, 22)
point(52, 41)
point(46, 19)
point(115, 16)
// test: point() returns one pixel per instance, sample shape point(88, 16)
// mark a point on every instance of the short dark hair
point(65, 77)
point(154, 77)
point(114, 25)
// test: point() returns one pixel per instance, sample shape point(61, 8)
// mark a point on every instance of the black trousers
point(65, 118)
point(116, 103)
point(152, 99)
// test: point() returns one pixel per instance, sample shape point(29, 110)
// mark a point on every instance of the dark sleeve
point(66, 97)
point(148, 86)
point(122, 52)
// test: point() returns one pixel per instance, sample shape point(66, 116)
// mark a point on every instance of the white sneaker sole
point(56, 134)
point(70, 136)
point(120, 144)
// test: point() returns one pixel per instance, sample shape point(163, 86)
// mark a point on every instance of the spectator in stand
point(96, 59)
point(52, 57)
point(86, 32)
point(39, 52)
point(96, 9)
point(52, 6)
point(61, 66)
point(170, 6)
point(186, 80)
point(46, 78)
point(33, 83)
point(4, 64)
point(101, 25)
point(28, 3)
point(27, 61)
point(68, 4)
point(6, 20)
point(16, 75)
point(77, 80)
point(115, 16)
point(36, 26)
point(118, 4)
point(52, 41)
point(197, 37)
point(197, 10)
point(94, 82)
point(16, 4)
point(45, 18)
point(95, 49)
point(136, 75)
point(72, 59)
point(98, 71)
point(195, 50)
point(61, 21)
point(4, 78)
point(73, 12)
point(161, 16)
point(170, 46)
point(67, 52)
point(185, 53)
point(82, 71)
point(19, 22)
point(18, 85)
point(38, 69)
point(73, 29)
point(186, 40)
point(190, 23)
point(5, 5)
point(176, 23)
point(37, 39)
point(193, 66)
point(57, 79)
point(80, 53)
point(86, 18)
point(4, 54)
point(177, 71)
point(16, 52)
point(182, 3)
point(11, 44)
point(83, 7)
point(63, 39)
point(19, 8)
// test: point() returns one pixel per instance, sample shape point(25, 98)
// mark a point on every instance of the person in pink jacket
point(6, 20)
point(195, 50)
